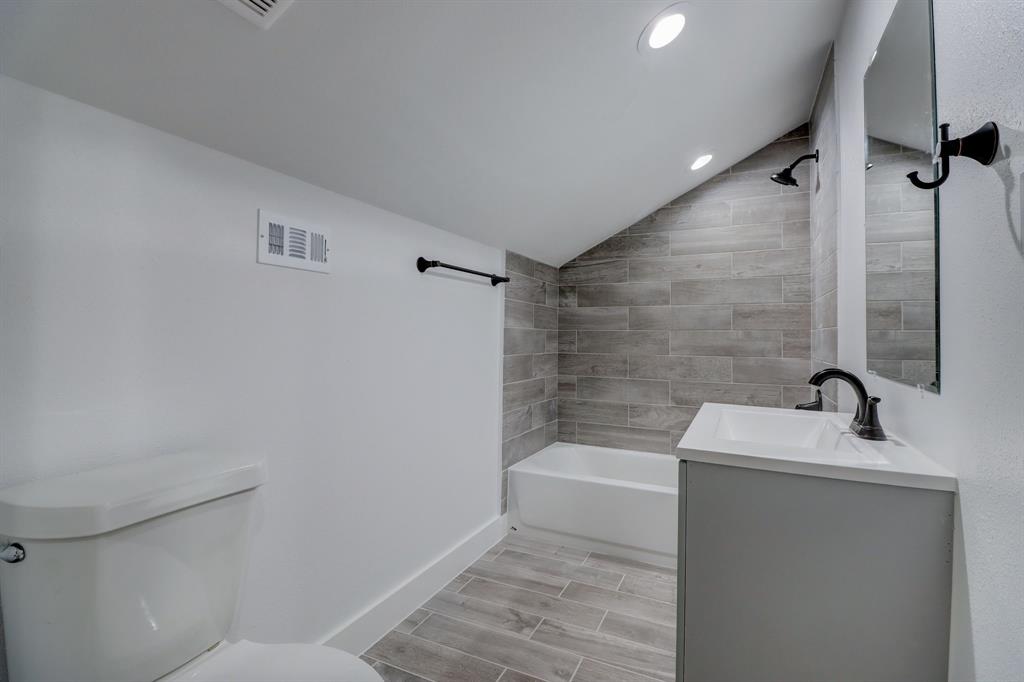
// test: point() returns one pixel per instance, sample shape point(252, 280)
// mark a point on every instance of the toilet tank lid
point(111, 497)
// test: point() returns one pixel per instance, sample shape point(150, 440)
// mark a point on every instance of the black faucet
point(865, 423)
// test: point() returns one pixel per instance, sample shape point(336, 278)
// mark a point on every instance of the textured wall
point(900, 263)
point(530, 362)
point(975, 426)
point(825, 231)
point(706, 299)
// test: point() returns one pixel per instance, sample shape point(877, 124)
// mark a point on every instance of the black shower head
point(785, 176)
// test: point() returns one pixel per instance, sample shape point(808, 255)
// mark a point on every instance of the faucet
point(865, 422)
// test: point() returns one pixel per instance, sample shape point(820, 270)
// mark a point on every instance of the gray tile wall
point(825, 232)
point(530, 362)
point(900, 242)
point(709, 298)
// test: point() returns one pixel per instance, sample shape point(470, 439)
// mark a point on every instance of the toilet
point(132, 573)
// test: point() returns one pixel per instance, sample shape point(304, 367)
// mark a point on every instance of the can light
point(662, 29)
point(701, 161)
point(666, 30)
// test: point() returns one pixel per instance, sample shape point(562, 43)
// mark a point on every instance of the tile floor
point(529, 611)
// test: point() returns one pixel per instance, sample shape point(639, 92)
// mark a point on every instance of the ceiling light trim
point(644, 42)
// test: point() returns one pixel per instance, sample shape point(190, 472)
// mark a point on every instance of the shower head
point(785, 176)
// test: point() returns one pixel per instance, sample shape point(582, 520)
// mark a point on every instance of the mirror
point(901, 221)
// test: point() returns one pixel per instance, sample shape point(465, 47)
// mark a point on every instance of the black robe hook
point(981, 145)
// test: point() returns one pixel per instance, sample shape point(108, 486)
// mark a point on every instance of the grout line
point(458, 651)
point(619, 588)
point(537, 627)
point(619, 667)
point(606, 612)
point(404, 670)
point(578, 666)
point(429, 612)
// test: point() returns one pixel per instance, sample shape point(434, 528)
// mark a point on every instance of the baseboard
point(359, 633)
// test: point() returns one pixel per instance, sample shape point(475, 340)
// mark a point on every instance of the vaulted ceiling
point(531, 125)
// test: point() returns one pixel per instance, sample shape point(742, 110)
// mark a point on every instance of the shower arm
point(803, 158)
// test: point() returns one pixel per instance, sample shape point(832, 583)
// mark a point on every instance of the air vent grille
point(292, 244)
point(263, 13)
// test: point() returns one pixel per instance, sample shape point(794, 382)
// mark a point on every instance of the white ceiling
point(529, 125)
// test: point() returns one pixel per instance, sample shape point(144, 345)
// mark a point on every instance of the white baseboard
point(360, 632)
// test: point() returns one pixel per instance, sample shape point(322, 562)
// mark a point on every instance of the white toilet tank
point(130, 570)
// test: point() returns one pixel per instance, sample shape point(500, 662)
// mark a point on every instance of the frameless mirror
point(901, 228)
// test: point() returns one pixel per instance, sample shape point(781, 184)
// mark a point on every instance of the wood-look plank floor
point(529, 611)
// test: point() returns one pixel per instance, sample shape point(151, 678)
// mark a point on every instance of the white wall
point(976, 425)
point(135, 321)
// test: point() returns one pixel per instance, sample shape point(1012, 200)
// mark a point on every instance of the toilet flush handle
point(12, 553)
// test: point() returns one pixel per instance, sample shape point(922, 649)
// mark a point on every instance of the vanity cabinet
point(787, 577)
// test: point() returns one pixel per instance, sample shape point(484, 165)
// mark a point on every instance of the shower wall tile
point(681, 317)
point(594, 272)
point(623, 437)
point(797, 289)
point(725, 239)
point(629, 246)
point(593, 364)
point(696, 394)
point(530, 368)
point(781, 316)
point(769, 263)
point(674, 268)
point(709, 298)
point(593, 318)
point(636, 293)
point(781, 371)
point(766, 344)
point(741, 290)
point(645, 342)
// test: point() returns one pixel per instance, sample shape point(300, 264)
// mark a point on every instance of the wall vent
point(292, 244)
point(263, 13)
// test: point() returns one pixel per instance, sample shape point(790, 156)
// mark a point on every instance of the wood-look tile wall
point(708, 298)
point(530, 362)
point(825, 232)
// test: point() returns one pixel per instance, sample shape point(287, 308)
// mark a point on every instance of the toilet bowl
point(254, 662)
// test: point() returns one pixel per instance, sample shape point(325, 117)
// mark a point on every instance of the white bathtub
point(598, 498)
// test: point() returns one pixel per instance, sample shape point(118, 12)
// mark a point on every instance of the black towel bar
point(422, 264)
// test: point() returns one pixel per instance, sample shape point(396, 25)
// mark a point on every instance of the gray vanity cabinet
point(788, 577)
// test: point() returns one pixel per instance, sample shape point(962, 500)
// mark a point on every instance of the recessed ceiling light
point(662, 29)
point(666, 30)
point(701, 162)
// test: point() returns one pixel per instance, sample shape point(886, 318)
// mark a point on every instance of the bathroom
point(460, 340)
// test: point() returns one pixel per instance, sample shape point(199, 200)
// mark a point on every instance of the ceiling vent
point(263, 13)
point(292, 244)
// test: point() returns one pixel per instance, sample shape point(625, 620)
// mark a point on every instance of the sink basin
point(794, 429)
point(801, 442)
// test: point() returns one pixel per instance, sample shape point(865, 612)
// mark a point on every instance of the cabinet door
point(801, 578)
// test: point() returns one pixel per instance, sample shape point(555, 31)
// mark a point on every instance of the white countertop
point(806, 443)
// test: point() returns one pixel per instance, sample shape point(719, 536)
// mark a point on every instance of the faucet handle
point(814, 405)
point(868, 426)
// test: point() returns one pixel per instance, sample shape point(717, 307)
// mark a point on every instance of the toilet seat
point(254, 662)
